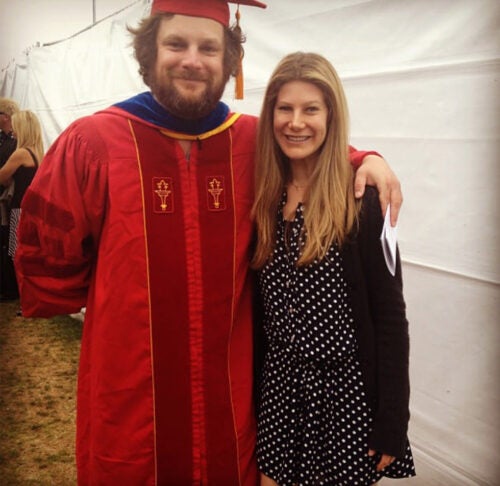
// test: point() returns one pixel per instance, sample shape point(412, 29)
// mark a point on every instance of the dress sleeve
point(61, 218)
point(356, 156)
point(388, 313)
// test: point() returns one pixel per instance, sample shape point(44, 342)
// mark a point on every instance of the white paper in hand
point(389, 239)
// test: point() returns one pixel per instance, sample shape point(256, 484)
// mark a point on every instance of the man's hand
point(375, 171)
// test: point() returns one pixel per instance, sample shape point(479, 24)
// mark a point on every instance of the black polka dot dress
point(313, 417)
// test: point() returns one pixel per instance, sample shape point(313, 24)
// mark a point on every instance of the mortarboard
point(212, 9)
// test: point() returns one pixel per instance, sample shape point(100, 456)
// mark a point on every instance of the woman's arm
point(390, 326)
point(13, 163)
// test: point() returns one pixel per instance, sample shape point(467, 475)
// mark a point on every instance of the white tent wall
point(65, 80)
point(421, 78)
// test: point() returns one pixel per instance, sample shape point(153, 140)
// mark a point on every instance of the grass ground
point(38, 366)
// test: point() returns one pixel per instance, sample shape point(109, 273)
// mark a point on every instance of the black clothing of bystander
point(8, 283)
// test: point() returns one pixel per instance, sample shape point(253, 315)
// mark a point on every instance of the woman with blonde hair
point(334, 387)
point(22, 165)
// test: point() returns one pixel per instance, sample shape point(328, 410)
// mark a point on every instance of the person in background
point(8, 284)
point(141, 214)
point(334, 387)
point(7, 141)
point(21, 166)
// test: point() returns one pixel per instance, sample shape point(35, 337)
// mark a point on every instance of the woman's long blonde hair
point(330, 210)
point(28, 132)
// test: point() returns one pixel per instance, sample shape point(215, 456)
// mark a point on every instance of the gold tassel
point(238, 82)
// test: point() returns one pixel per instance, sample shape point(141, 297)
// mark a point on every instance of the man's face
point(188, 75)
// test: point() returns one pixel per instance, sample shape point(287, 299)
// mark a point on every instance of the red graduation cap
point(212, 9)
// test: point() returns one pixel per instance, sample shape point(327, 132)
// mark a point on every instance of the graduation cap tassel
point(238, 85)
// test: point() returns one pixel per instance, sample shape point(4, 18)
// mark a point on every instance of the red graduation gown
point(157, 248)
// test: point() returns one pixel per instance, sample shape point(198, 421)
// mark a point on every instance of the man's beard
point(187, 108)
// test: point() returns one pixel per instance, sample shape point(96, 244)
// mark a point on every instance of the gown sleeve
point(357, 156)
point(61, 218)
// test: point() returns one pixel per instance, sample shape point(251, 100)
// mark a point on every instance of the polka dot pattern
point(313, 417)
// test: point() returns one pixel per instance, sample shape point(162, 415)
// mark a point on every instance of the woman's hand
point(385, 460)
point(267, 481)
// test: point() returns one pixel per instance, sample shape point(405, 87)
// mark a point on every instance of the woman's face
point(300, 120)
point(5, 122)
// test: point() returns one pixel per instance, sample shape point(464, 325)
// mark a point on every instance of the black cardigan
point(381, 329)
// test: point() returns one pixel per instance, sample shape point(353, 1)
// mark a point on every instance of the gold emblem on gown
point(163, 199)
point(215, 191)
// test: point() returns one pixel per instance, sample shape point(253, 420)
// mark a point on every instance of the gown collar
point(146, 107)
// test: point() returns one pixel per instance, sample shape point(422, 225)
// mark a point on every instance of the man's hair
point(8, 106)
point(145, 48)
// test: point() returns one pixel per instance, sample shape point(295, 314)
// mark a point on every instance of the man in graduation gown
point(141, 213)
